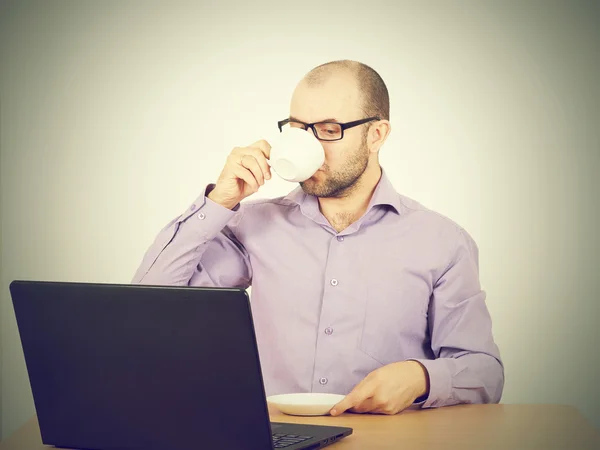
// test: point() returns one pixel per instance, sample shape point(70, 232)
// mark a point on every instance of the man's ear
point(378, 134)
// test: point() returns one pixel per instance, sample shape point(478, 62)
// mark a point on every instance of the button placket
point(324, 350)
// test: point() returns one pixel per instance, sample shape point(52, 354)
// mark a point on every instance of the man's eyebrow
point(295, 119)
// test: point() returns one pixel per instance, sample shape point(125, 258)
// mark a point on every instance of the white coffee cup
point(296, 154)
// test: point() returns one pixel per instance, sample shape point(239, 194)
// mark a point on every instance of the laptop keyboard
point(285, 440)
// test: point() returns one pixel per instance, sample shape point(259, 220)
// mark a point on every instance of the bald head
point(343, 92)
point(372, 90)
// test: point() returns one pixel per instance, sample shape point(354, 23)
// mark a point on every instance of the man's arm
point(198, 244)
point(467, 368)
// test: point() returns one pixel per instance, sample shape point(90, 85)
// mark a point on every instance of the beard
point(341, 182)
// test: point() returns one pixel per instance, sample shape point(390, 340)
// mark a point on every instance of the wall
point(1, 307)
point(114, 116)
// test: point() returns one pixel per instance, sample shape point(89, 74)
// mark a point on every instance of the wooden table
point(461, 427)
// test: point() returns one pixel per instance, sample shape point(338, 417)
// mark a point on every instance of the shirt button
point(340, 238)
point(201, 216)
point(334, 282)
point(323, 380)
point(328, 330)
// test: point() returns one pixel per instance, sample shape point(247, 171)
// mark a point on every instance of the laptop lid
point(128, 366)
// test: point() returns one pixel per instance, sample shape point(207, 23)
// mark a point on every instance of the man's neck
point(344, 211)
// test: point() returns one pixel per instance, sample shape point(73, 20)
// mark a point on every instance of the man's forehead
point(324, 101)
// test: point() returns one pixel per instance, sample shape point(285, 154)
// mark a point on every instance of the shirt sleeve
point(200, 245)
point(467, 368)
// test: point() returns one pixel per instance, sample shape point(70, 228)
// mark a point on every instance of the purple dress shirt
point(401, 283)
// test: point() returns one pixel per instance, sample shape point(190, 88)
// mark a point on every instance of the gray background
point(115, 115)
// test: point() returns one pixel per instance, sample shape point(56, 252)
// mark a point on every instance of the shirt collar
point(384, 194)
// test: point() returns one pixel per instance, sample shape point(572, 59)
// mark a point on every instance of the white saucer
point(305, 404)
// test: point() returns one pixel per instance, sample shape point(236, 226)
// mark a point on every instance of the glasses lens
point(328, 131)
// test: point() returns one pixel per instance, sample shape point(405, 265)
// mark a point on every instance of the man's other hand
point(387, 390)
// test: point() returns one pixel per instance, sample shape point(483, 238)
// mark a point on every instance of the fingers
point(244, 174)
point(250, 163)
point(351, 401)
point(260, 158)
point(389, 409)
point(375, 404)
point(264, 147)
point(259, 167)
point(359, 394)
point(367, 405)
point(246, 169)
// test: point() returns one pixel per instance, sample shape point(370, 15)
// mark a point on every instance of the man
point(356, 289)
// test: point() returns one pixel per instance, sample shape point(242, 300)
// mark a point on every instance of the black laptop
point(118, 366)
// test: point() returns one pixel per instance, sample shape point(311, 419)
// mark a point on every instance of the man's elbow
point(489, 386)
point(494, 385)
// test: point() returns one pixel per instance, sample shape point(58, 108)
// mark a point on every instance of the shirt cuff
point(440, 383)
point(205, 217)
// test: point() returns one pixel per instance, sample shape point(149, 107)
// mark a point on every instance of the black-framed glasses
point(324, 131)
